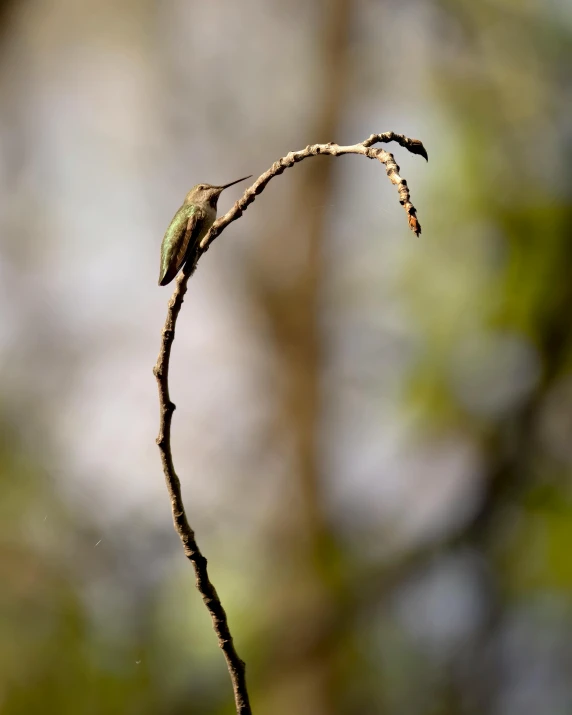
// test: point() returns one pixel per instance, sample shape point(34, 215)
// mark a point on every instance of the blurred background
point(373, 431)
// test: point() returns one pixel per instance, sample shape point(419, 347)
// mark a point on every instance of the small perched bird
point(188, 227)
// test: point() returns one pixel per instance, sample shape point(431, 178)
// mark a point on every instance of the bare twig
point(365, 148)
point(208, 592)
point(235, 665)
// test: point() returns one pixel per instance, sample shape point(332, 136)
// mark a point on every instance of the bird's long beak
point(232, 183)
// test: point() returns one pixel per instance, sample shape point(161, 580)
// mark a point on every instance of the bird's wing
point(179, 239)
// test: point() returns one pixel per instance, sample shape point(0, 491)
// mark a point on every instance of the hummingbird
point(189, 226)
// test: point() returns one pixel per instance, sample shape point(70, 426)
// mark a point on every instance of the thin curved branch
point(365, 148)
point(235, 665)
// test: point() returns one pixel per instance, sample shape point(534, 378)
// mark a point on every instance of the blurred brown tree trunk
point(301, 677)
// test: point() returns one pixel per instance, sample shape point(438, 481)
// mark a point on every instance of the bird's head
point(207, 194)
